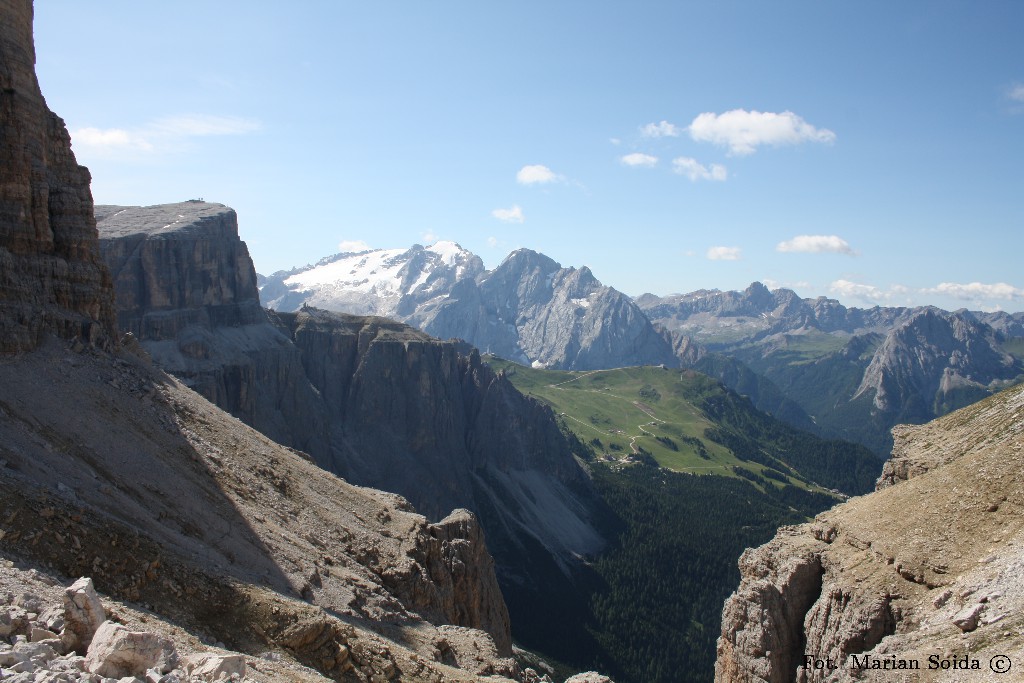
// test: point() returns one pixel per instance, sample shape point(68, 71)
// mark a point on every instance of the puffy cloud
point(109, 139)
point(1016, 92)
point(724, 253)
point(855, 290)
point(694, 170)
point(492, 242)
point(744, 131)
point(429, 237)
point(978, 290)
point(816, 244)
point(513, 215)
point(660, 130)
point(352, 246)
point(639, 159)
point(537, 175)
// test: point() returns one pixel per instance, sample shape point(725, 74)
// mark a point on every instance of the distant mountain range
point(815, 363)
point(856, 372)
point(529, 309)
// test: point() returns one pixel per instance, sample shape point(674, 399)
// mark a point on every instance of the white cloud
point(777, 284)
point(660, 130)
point(744, 131)
point(816, 244)
point(855, 290)
point(429, 237)
point(163, 135)
point(724, 253)
point(694, 170)
point(513, 215)
point(352, 246)
point(109, 139)
point(615, 141)
point(639, 159)
point(978, 290)
point(492, 242)
point(1016, 92)
point(537, 174)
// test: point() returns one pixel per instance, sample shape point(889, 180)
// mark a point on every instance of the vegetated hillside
point(855, 372)
point(688, 422)
point(656, 603)
point(676, 536)
point(924, 573)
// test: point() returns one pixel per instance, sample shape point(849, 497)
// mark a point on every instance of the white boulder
point(116, 652)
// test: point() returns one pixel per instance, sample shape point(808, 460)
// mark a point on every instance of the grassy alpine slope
point(648, 608)
point(688, 422)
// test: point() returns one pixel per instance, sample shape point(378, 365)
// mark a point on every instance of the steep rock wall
point(928, 565)
point(51, 277)
point(186, 289)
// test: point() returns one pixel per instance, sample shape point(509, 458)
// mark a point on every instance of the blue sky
point(871, 151)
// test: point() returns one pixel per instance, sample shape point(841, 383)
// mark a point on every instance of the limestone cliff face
point(186, 288)
point(372, 400)
point(177, 265)
point(928, 565)
point(414, 415)
point(51, 277)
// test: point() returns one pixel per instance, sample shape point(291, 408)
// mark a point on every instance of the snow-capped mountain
point(529, 309)
point(387, 282)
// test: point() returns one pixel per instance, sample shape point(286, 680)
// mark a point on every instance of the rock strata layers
point(925, 570)
point(186, 289)
point(52, 279)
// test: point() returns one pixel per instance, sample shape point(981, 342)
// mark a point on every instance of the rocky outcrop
point(52, 280)
point(925, 573)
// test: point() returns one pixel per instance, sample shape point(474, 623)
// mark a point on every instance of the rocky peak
point(522, 260)
point(934, 354)
point(52, 280)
